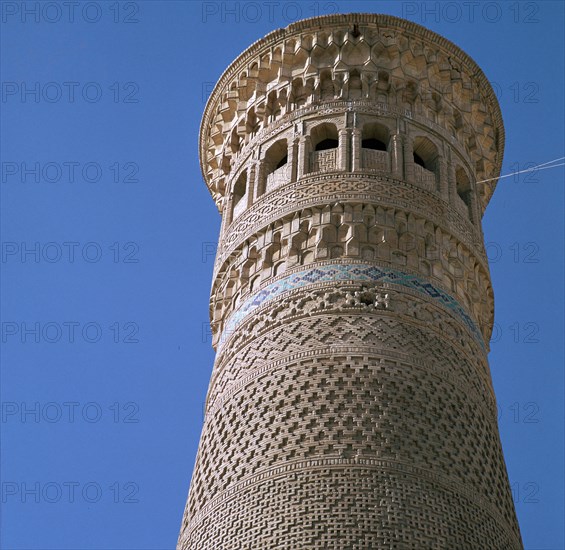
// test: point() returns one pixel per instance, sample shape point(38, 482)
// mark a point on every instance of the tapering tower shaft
point(351, 403)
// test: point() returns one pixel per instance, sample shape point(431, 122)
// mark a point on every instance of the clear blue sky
point(119, 287)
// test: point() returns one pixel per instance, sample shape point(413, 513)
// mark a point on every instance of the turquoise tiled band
point(351, 272)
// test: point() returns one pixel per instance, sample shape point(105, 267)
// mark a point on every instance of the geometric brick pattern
point(351, 403)
point(403, 337)
point(348, 506)
point(329, 405)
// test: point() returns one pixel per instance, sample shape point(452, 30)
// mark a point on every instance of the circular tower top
point(409, 69)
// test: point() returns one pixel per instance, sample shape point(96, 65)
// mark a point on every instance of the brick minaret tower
point(351, 403)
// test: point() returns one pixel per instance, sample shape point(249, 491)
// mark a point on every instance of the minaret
point(351, 403)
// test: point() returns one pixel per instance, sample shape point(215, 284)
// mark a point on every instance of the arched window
point(282, 162)
point(240, 187)
point(425, 153)
point(375, 136)
point(419, 161)
point(254, 283)
point(276, 172)
point(425, 163)
point(276, 155)
point(463, 188)
point(324, 139)
point(374, 146)
point(239, 192)
point(326, 144)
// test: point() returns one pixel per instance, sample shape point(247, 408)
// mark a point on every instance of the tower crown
point(406, 71)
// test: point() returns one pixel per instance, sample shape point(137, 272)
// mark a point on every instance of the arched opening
point(463, 196)
point(419, 161)
point(282, 162)
point(238, 195)
point(324, 136)
point(326, 144)
point(425, 153)
point(425, 163)
point(374, 146)
point(276, 169)
point(324, 139)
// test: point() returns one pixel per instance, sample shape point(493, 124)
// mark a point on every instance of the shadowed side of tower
point(351, 403)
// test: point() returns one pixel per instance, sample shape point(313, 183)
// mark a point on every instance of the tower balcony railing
point(424, 178)
point(277, 178)
point(375, 160)
point(323, 161)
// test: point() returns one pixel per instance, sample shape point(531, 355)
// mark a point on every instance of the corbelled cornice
point(371, 44)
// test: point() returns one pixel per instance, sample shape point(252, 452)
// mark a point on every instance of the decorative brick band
point(424, 366)
point(355, 272)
